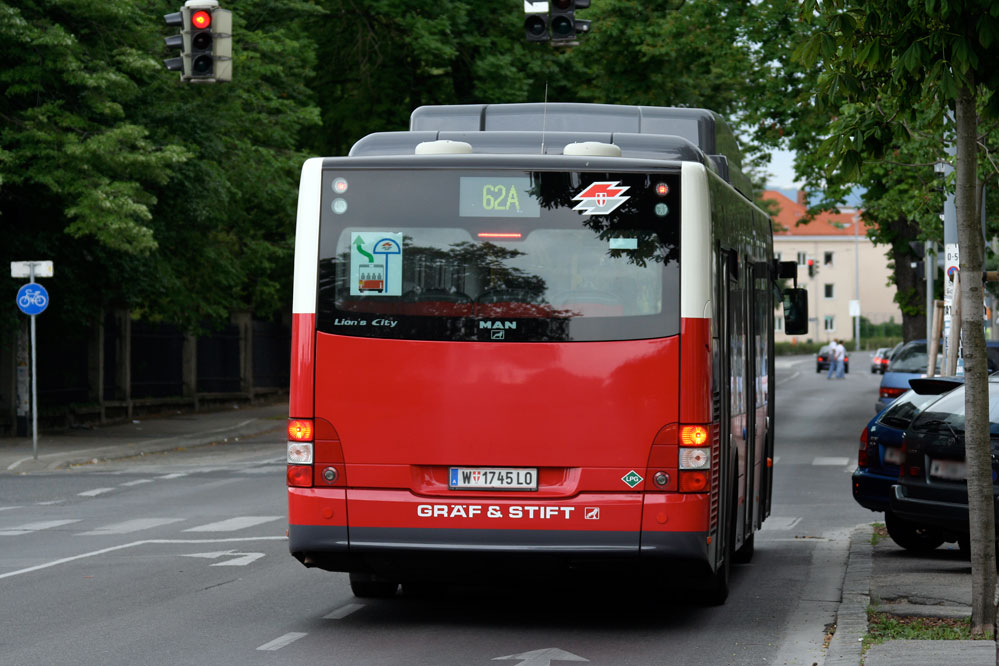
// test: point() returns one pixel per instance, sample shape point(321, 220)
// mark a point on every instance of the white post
point(34, 381)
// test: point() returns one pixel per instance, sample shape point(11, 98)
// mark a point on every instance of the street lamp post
point(856, 279)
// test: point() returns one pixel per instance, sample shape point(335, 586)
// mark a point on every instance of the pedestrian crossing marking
point(233, 524)
point(130, 526)
point(35, 527)
point(831, 461)
point(95, 492)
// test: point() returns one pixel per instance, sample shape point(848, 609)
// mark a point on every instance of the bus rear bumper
point(563, 540)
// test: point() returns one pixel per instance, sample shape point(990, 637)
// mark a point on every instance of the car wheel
point(912, 536)
point(818, 368)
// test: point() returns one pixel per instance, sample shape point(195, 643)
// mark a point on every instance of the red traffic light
point(201, 19)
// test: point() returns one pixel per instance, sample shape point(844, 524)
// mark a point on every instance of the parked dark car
point(932, 489)
point(880, 455)
point(880, 360)
point(823, 357)
point(910, 362)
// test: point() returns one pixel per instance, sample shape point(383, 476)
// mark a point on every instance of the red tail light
point(891, 391)
point(862, 460)
point(694, 481)
point(300, 476)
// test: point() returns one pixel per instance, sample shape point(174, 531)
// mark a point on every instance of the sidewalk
point(893, 580)
point(60, 449)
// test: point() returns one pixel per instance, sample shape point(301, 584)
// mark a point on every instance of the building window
point(802, 258)
point(830, 323)
point(827, 260)
point(776, 256)
point(829, 291)
point(779, 323)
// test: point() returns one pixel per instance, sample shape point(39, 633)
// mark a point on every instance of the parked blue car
point(881, 454)
point(910, 362)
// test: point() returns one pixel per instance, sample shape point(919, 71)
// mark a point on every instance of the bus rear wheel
point(367, 586)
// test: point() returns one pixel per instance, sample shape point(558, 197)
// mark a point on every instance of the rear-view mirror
point(796, 311)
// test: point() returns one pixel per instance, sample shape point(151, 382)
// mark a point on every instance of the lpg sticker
point(375, 264)
point(601, 197)
point(632, 478)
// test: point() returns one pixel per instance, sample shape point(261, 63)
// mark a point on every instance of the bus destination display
point(497, 197)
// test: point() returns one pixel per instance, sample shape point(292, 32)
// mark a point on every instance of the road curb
point(845, 648)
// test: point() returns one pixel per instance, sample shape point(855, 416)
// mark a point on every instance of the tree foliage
point(890, 70)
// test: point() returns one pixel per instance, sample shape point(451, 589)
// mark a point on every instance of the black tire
point(818, 368)
point(744, 555)
point(366, 586)
point(912, 536)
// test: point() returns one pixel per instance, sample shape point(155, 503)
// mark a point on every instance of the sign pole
point(34, 382)
point(32, 299)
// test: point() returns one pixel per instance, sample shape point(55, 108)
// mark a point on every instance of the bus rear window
point(504, 257)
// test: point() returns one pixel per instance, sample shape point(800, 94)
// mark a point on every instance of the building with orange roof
point(845, 264)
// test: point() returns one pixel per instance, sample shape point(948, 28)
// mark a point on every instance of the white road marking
point(51, 502)
point(8, 508)
point(102, 551)
point(129, 526)
point(35, 527)
point(282, 641)
point(239, 559)
point(95, 492)
point(342, 612)
point(831, 461)
point(175, 475)
point(233, 524)
point(137, 482)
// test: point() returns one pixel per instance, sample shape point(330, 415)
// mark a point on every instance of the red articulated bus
point(532, 338)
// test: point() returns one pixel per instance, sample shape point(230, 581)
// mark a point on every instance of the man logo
point(494, 325)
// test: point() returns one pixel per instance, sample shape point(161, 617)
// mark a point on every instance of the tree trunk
point(910, 284)
point(978, 452)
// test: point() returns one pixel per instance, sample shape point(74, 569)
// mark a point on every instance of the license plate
point(893, 455)
point(493, 478)
point(949, 469)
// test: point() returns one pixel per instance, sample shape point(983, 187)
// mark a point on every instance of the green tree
point(883, 63)
point(174, 200)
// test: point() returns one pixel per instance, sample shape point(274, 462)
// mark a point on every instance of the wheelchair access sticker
point(375, 264)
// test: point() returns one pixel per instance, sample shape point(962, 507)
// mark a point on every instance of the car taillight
point(862, 460)
point(891, 391)
point(694, 459)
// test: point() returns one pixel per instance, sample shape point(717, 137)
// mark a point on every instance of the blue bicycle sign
point(32, 298)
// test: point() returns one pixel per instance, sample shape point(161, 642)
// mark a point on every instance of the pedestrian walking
point(832, 359)
point(840, 360)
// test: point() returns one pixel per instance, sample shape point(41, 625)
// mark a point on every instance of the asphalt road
point(181, 559)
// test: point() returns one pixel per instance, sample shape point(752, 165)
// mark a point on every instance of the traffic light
point(564, 24)
point(811, 267)
point(536, 21)
point(205, 41)
point(561, 26)
point(182, 41)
